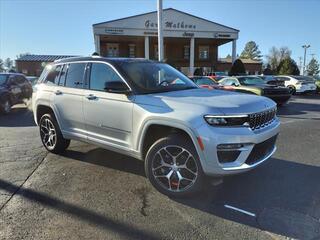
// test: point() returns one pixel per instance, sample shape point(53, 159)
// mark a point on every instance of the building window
point(186, 52)
point(203, 52)
point(132, 50)
point(112, 50)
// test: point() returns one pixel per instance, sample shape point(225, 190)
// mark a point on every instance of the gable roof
point(164, 10)
point(42, 58)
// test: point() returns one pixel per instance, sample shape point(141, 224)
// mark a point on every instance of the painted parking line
point(240, 210)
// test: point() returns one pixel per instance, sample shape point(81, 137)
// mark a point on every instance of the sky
point(65, 27)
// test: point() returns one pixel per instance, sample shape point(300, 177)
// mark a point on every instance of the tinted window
point(100, 74)
point(53, 75)
point(3, 79)
point(75, 74)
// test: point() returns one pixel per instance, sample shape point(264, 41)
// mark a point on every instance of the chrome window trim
point(103, 62)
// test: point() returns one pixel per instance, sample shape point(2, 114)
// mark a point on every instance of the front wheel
point(292, 89)
point(51, 135)
point(6, 107)
point(173, 166)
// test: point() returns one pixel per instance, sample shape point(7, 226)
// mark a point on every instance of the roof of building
point(166, 9)
point(244, 60)
point(42, 58)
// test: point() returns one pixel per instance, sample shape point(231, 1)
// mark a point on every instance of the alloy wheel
point(48, 133)
point(174, 168)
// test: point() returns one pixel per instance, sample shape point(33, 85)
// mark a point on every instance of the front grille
point(261, 150)
point(262, 119)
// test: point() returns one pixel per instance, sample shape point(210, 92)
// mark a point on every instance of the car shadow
point(298, 108)
point(283, 196)
point(123, 229)
point(20, 116)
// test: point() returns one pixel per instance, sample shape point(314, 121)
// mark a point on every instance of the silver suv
point(151, 111)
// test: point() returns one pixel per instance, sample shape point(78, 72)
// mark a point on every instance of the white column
point(160, 36)
point(146, 47)
point(234, 50)
point(191, 67)
point(97, 43)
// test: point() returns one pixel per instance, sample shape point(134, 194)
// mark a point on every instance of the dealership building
point(189, 41)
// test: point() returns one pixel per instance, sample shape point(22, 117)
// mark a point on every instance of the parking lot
point(92, 193)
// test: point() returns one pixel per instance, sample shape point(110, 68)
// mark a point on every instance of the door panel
point(68, 99)
point(108, 117)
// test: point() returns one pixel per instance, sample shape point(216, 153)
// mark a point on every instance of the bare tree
point(276, 55)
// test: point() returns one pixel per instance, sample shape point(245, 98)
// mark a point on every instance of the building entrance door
point(112, 50)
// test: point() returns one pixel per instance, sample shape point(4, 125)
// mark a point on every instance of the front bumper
point(306, 88)
point(256, 147)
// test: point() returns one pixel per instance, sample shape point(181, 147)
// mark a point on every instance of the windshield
point(204, 81)
point(3, 79)
point(250, 80)
point(149, 77)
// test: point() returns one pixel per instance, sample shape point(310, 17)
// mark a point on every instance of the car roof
point(17, 74)
point(102, 59)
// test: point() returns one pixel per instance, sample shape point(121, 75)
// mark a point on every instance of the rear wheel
point(51, 135)
point(173, 167)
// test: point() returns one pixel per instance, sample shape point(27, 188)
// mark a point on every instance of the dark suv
point(14, 88)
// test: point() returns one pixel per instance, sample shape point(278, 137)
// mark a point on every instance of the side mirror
point(116, 87)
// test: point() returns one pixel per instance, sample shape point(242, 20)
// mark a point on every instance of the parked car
point(151, 111)
point(205, 82)
point(273, 80)
point(256, 85)
point(14, 88)
point(299, 84)
point(318, 84)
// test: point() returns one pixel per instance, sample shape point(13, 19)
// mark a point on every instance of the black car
point(14, 88)
point(273, 80)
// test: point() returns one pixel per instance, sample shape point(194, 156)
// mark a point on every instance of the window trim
point(95, 61)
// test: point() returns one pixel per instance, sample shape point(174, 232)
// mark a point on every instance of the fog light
point(229, 146)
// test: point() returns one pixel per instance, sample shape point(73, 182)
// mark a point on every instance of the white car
point(298, 84)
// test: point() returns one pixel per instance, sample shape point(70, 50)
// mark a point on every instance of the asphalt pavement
point(92, 193)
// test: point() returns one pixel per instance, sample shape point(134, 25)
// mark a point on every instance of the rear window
point(75, 75)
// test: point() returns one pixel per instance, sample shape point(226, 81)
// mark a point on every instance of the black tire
point(6, 106)
point(60, 144)
point(172, 186)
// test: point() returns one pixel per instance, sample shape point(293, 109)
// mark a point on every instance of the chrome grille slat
point(262, 119)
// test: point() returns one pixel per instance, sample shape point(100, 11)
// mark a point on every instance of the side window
point(100, 74)
point(75, 75)
point(53, 75)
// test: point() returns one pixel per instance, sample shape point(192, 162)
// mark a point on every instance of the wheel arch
point(155, 129)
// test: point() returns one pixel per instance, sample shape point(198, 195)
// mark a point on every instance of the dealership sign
point(170, 25)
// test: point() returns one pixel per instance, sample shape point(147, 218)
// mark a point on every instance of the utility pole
point(300, 64)
point(160, 36)
point(305, 47)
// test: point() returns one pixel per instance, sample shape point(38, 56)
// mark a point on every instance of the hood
point(207, 101)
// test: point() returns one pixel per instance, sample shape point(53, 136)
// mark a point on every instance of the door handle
point(58, 92)
point(91, 97)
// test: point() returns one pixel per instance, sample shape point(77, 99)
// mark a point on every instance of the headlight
point(236, 120)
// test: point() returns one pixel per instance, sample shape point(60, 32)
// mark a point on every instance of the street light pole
point(160, 36)
point(304, 58)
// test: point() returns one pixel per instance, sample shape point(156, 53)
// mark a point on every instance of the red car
point(206, 82)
